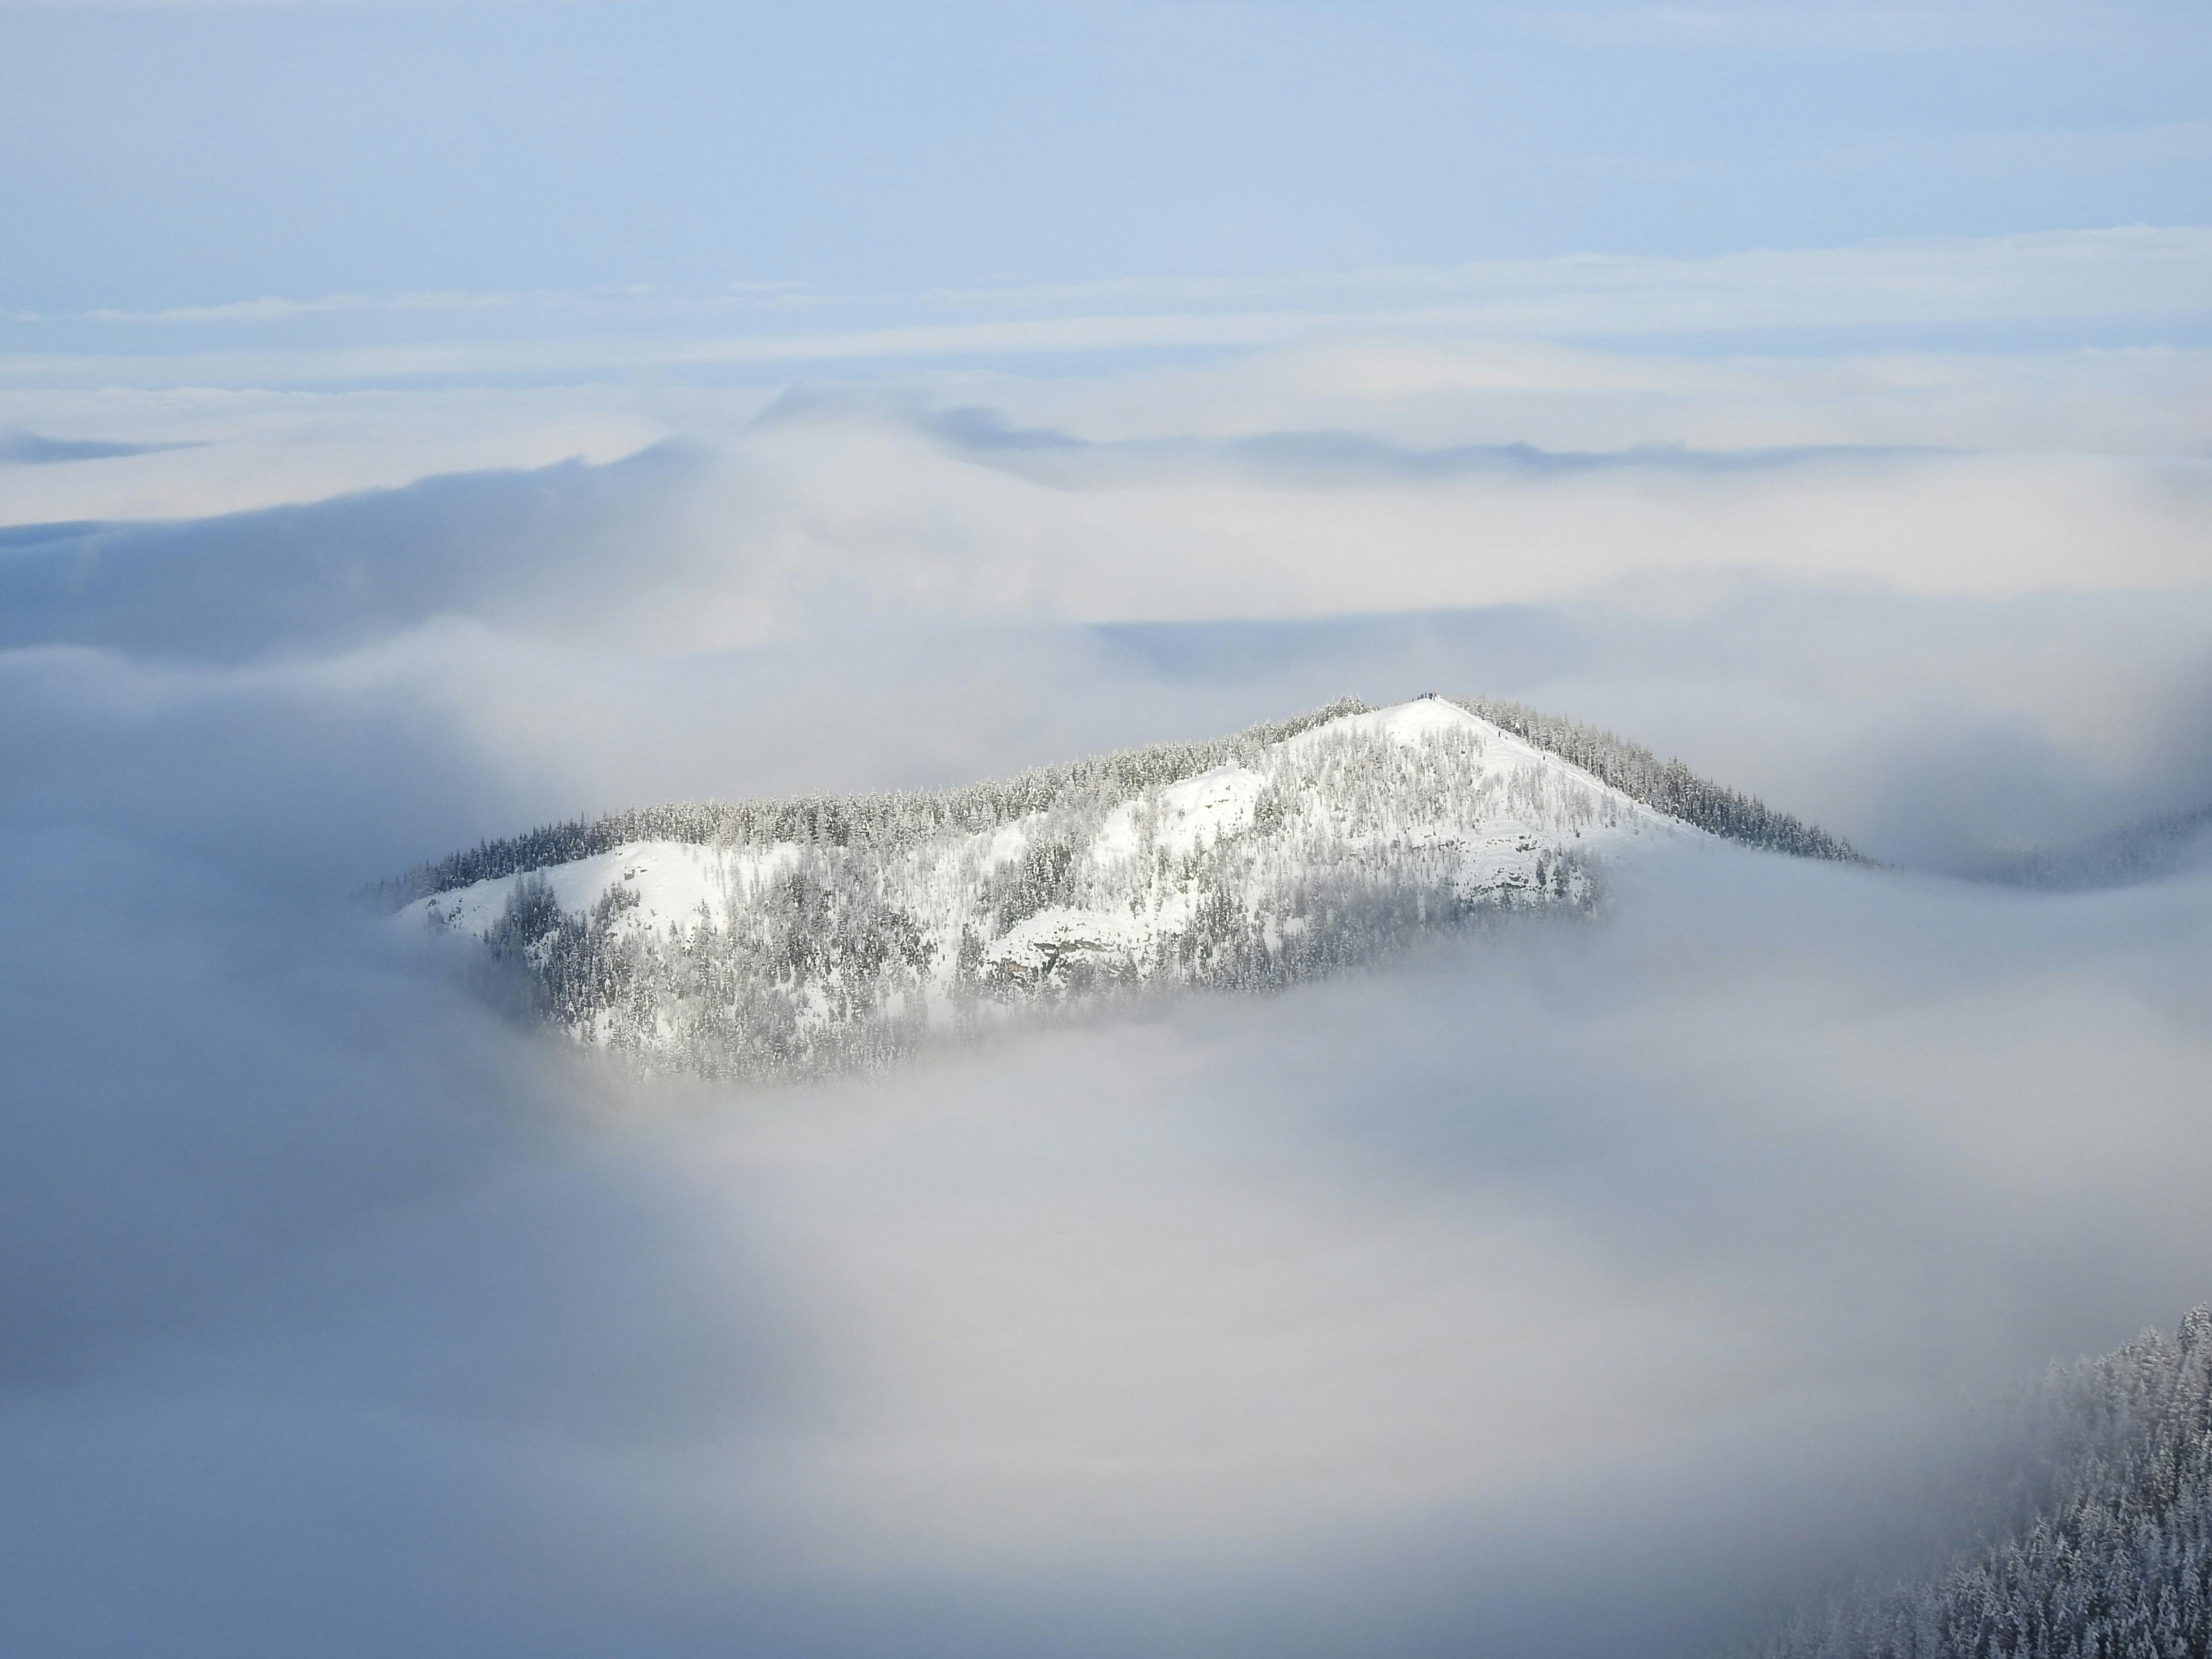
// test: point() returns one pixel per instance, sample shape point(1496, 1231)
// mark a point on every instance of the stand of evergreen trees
point(2111, 1557)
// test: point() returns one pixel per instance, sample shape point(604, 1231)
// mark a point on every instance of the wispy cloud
point(270, 308)
point(2135, 276)
point(1832, 26)
point(2082, 151)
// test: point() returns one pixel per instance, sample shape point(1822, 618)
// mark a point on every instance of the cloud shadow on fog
point(1325, 459)
point(553, 547)
point(34, 535)
point(33, 449)
point(509, 546)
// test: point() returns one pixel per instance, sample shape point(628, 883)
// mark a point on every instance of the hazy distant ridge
point(2149, 848)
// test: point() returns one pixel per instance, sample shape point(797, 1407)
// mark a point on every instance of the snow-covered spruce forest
point(765, 938)
point(2097, 1546)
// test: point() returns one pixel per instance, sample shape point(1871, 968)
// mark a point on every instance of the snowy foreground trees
point(2108, 1552)
point(761, 939)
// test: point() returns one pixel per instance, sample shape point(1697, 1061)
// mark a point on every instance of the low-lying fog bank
point(1590, 1288)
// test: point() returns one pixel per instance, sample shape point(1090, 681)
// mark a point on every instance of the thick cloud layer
point(1574, 1290)
point(1570, 1290)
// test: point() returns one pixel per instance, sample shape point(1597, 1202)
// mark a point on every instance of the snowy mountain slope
point(661, 883)
point(794, 938)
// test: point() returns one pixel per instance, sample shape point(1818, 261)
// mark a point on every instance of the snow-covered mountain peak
point(767, 936)
point(1405, 722)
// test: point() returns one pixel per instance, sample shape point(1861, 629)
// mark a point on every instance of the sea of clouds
point(1574, 1289)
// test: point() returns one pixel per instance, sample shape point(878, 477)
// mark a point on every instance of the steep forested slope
point(2110, 1555)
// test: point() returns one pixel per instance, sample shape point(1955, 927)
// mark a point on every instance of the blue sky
point(174, 155)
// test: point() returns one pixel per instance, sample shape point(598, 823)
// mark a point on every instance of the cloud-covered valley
point(1576, 1288)
point(1591, 1289)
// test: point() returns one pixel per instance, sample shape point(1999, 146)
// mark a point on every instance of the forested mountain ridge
point(779, 937)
